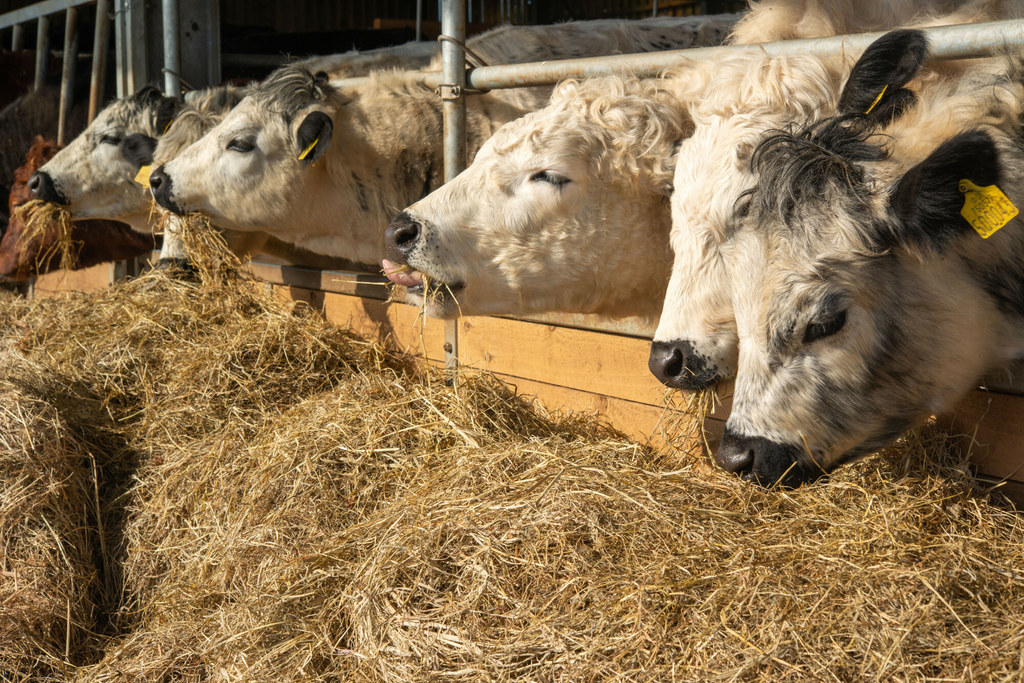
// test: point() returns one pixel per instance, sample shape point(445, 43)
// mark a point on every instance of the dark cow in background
point(95, 241)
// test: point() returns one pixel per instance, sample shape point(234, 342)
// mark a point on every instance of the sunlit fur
point(595, 244)
point(713, 168)
point(770, 20)
point(95, 176)
point(385, 152)
point(924, 322)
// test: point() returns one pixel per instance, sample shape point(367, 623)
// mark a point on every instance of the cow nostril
point(406, 234)
point(155, 181)
point(401, 236)
point(666, 362)
point(34, 184)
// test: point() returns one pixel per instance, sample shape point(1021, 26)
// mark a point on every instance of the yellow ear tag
point(305, 152)
point(167, 127)
point(986, 208)
point(877, 99)
point(142, 177)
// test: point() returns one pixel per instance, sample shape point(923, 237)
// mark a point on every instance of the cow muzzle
point(42, 187)
point(161, 187)
point(678, 365)
point(762, 461)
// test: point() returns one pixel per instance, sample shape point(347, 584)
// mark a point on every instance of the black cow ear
point(139, 148)
point(875, 85)
point(928, 199)
point(166, 112)
point(313, 137)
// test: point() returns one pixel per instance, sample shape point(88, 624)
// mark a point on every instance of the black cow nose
point(763, 461)
point(160, 185)
point(156, 179)
point(42, 187)
point(401, 236)
point(678, 365)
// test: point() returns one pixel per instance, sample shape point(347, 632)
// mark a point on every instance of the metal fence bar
point(453, 105)
point(100, 41)
point(172, 46)
point(42, 52)
point(947, 42)
point(39, 9)
point(17, 37)
point(67, 79)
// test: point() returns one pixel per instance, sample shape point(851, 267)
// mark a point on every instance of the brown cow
point(96, 241)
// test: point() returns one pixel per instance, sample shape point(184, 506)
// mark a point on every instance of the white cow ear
point(313, 137)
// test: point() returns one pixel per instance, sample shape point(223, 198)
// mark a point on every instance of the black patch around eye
point(139, 148)
point(825, 328)
point(550, 178)
point(242, 145)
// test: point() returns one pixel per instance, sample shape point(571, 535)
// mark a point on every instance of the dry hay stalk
point(207, 250)
point(48, 575)
point(42, 219)
point(304, 506)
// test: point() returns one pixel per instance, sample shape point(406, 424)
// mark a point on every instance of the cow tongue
point(401, 275)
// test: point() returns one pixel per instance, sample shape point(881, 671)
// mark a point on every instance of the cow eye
point(242, 145)
point(825, 327)
point(549, 177)
point(110, 139)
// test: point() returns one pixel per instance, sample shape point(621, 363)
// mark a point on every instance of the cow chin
point(440, 301)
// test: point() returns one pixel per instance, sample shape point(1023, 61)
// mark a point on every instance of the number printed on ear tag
point(986, 208)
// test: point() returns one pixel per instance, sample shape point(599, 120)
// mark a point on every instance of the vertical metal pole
point(67, 79)
point(42, 51)
point(18, 38)
point(654, 12)
point(419, 20)
point(172, 48)
point(100, 39)
point(453, 104)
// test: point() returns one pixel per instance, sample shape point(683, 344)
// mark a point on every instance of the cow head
point(93, 177)
point(864, 302)
point(253, 169)
point(695, 345)
point(564, 209)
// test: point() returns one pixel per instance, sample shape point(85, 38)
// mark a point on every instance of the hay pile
point(282, 501)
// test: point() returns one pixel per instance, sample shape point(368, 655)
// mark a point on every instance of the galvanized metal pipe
point(42, 52)
point(947, 42)
point(100, 40)
point(419, 20)
point(453, 106)
point(172, 48)
point(17, 38)
point(67, 79)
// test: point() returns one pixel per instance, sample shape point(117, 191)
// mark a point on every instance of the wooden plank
point(61, 281)
point(992, 429)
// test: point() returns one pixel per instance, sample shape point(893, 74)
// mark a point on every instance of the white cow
point(326, 168)
point(868, 287)
point(695, 343)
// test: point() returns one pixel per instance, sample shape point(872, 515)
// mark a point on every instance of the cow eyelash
point(550, 178)
point(241, 145)
point(825, 328)
point(110, 140)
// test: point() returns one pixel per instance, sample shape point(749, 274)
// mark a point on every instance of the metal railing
point(40, 13)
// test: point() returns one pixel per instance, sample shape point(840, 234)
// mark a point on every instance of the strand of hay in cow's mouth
point(283, 501)
point(42, 219)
